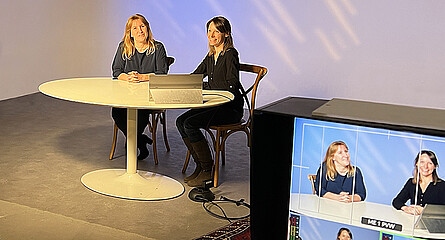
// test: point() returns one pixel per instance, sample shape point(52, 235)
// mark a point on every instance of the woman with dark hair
point(221, 66)
point(336, 179)
point(344, 234)
point(425, 182)
point(137, 56)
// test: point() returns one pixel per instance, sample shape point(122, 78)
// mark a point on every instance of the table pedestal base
point(139, 186)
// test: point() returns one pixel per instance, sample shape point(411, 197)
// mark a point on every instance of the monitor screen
point(374, 165)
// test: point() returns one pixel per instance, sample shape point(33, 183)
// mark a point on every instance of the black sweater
point(141, 62)
point(224, 75)
point(434, 194)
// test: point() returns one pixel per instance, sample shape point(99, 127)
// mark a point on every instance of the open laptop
point(176, 89)
point(432, 218)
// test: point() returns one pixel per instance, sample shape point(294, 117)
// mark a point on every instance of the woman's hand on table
point(413, 209)
point(134, 77)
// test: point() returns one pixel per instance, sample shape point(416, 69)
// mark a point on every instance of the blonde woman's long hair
point(331, 172)
point(223, 26)
point(128, 46)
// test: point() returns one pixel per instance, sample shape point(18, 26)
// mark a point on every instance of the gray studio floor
point(46, 145)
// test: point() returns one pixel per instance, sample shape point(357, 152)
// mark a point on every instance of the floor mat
point(238, 230)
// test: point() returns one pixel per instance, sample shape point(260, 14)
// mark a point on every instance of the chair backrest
point(261, 72)
point(170, 61)
point(312, 179)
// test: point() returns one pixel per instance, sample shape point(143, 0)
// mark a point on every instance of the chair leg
point(164, 130)
point(217, 153)
point(249, 143)
point(222, 148)
point(113, 146)
point(213, 137)
point(186, 163)
point(154, 124)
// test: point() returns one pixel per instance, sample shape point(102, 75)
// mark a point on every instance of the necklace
point(343, 171)
point(340, 169)
point(424, 185)
point(143, 48)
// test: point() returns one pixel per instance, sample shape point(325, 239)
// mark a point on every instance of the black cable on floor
point(206, 204)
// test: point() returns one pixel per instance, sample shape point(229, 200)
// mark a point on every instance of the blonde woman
point(337, 176)
point(430, 188)
point(137, 55)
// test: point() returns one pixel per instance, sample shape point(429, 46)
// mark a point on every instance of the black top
point(434, 194)
point(340, 183)
point(224, 75)
point(141, 62)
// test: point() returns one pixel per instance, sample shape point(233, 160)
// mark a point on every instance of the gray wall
point(379, 50)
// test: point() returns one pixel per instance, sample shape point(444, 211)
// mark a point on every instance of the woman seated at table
point(221, 66)
point(425, 181)
point(138, 55)
point(337, 176)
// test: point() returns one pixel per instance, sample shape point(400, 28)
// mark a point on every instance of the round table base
point(142, 185)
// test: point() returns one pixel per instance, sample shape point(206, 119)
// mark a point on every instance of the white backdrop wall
point(378, 50)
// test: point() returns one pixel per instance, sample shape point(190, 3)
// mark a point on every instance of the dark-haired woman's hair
point(344, 229)
point(433, 158)
point(223, 26)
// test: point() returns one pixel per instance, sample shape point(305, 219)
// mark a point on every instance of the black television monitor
point(289, 144)
point(385, 159)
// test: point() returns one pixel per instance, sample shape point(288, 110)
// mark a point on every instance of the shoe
point(202, 152)
point(205, 160)
point(195, 158)
point(142, 146)
point(194, 174)
point(204, 175)
point(144, 138)
point(143, 153)
point(147, 140)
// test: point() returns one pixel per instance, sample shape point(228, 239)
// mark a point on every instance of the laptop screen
point(176, 81)
point(176, 89)
point(432, 218)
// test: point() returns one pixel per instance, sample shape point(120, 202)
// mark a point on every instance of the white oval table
point(128, 183)
point(352, 213)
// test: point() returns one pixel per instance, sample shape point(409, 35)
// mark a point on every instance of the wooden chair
point(156, 117)
point(224, 131)
point(312, 179)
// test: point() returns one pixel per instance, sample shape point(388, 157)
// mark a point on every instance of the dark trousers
point(120, 118)
point(190, 122)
